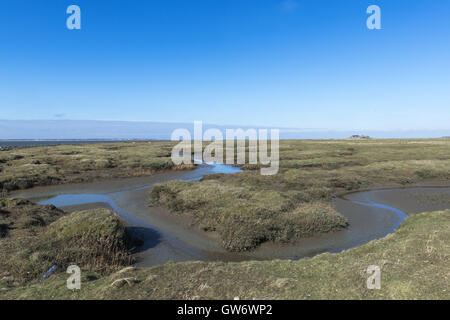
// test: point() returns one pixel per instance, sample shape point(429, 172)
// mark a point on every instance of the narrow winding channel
point(371, 215)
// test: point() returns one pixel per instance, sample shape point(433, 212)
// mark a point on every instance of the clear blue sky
point(301, 63)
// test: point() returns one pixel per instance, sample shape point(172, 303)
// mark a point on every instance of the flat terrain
point(246, 209)
point(28, 167)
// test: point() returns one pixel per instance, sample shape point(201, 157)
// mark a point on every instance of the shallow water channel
point(371, 215)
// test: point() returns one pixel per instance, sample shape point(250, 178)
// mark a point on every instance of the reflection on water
point(400, 214)
point(76, 199)
point(65, 200)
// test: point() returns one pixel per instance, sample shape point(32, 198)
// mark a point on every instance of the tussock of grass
point(246, 216)
point(38, 237)
point(94, 239)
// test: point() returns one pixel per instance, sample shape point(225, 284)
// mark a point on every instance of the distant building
point(357, 136)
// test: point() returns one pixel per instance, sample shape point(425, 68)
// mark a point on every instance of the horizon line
point(303, 130)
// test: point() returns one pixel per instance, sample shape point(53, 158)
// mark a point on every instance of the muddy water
point(167, 237)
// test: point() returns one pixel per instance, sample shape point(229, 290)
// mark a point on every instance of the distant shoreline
point(7, 144)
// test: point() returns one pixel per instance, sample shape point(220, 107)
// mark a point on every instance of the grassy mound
point(414, 264)
point(246, 216)
point(34, 238)
point(92, 239)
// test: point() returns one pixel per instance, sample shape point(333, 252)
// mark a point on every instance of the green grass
point(414, 264)
point(36, 237)
point(245, 215)
point(247, 209)
point(27, 167)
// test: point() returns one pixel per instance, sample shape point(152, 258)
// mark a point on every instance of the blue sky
point(304, 63)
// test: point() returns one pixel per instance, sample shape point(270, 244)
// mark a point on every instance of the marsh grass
point(245, 215)
point(414, 259)
point(414, 264)
point(247, 209)
point(27, 167)
point(36, 237)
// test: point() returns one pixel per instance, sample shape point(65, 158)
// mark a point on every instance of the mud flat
point(168, 237)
